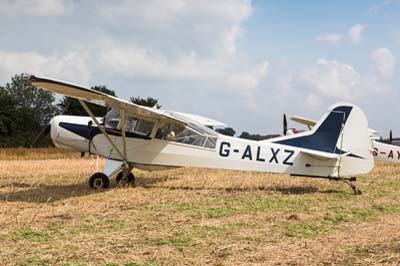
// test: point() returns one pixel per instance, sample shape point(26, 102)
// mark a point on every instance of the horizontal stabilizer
point(321, 155)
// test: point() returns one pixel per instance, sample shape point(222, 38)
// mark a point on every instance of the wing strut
point(87, 109)
point(123, 129)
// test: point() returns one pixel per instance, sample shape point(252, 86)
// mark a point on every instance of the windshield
point(112, 119)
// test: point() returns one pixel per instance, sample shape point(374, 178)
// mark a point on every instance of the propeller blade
point(390, 137)
point(284, 125)
point(45, 131)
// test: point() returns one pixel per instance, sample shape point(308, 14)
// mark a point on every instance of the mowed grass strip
point(48, 216)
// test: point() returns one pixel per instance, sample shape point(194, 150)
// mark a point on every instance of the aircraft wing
point(103, 99)
point(304, 121)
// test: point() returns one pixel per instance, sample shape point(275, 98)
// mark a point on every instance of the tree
point(247, 135)
point(71, 106)
point(24, 111)
point(228, 131)
point(149, 101)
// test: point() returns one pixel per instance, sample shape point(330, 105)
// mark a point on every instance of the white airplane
point(381, 151)
point(337, 148)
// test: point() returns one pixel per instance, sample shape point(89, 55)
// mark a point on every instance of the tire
point(130, 179)
point(99, 180)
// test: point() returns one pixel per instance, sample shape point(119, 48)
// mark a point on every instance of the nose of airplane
point(53, 128)
point(70, 132)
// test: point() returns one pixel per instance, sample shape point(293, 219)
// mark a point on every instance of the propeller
point(284, 125)
point(390, 137)
point(46, 130)
point(42, 135)
point(90, 123)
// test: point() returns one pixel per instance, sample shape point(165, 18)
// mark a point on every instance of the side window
point(181, 134)
point(162, 131)
point(188, 136)
point(139, 126)
point(112, 119)
point(211, 142)
point(174, 132)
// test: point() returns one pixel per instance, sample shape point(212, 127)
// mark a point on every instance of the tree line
point(25, 110)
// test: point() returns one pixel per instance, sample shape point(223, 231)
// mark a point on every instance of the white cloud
point(332, 79)
point(209, 28)
point(70, 67)
point(248, 80)
point(384, 62)
point(329, 37)
point(353, 36)
point(355, 33)
point(140, 63)
point(32, 7)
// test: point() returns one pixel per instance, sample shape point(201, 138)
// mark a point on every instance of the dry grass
point(48, 216)
point(10, 154)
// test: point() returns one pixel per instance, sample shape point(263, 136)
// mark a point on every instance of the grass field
point(48, 216)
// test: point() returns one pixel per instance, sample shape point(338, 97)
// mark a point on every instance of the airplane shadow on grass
point(283, 189)
point(42, 193)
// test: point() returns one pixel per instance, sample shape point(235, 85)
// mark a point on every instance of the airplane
point(133, 136)
point(386, 152)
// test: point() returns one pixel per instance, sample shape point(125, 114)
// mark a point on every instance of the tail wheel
point(98, 181)
point(130, 179)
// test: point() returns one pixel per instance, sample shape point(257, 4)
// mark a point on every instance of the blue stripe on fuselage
point(86, 132)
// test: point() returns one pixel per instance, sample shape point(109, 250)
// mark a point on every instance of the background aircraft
point(136, 136)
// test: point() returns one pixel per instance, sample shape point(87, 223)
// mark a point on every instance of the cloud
point(384, 62)
point(32, 7)
point(142, 64)
point(329, 37)
point(139, 63)
point(248, 80)
point(318, 85)
point(331, 79)
point(70, 67)
point(353, 36)
point(208, 28)
point(355, 33)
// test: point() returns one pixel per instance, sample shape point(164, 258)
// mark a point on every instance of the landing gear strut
point(348, 181)
point(99, 180)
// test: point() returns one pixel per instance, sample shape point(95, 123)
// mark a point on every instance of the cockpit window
point(112, 119)
point(135, 125)
point(132, 124)
point(193, 124)
point(185, 135)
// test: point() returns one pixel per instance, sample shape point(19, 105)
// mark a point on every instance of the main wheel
point(99, 180)
point(130, 179)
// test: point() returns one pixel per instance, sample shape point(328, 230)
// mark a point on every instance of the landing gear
point(98, 181)
point(122, 172)
point(348, 181)
point(127, 179)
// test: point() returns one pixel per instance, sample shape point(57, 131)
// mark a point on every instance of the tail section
point(342, 131)
point(325, 135)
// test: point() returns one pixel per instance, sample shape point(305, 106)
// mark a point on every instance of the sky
point(242, 62)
